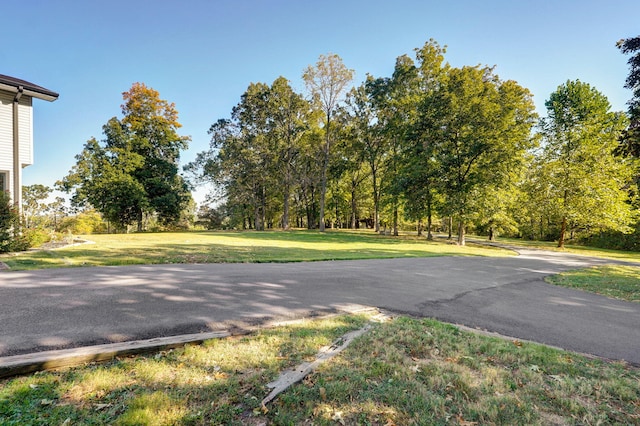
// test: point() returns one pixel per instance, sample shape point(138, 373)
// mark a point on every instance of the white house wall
point(6, 132)
point(25, 123)
point(25, 117)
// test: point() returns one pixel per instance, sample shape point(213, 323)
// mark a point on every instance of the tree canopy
point(133, 172)
point(449, 145)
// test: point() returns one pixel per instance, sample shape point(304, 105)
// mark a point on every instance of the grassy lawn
point(618, 282)
point(211, 247)
point(404, 371)
point(571, 248)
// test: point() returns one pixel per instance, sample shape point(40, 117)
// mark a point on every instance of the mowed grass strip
point(618, 282)
point(630, 256)
point(403, 372)
point(218, 247)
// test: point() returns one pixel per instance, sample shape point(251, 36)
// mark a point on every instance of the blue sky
point(202, 54)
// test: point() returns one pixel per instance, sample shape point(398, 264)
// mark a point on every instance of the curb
point(48, 360)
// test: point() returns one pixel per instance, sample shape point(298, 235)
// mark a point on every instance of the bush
point(9, 224)
point(88, 222)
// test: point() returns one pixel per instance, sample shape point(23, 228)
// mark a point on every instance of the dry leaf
point(463, 422)
point(389, 423)
point(323, 394)
point(337, 417)
point(518, 343)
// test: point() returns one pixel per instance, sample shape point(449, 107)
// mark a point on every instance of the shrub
point(9, 223)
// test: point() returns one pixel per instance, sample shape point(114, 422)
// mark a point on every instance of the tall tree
point(289, 119)
point(586, 180)
point(33, 202)
point(482, 128)
point(327, 82)
point(134, 171)
point(421, 81)
point(630, 141)
point(253, 155)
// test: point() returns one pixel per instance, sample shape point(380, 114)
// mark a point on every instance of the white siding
point(6, 131)
point(26, 132)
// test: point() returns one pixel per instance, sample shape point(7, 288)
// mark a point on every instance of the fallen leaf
point(337, 417)
point(99, 407)
point(32, 386)
point(534, 368)
point(389, 423)
point(416, 368)
point(220, 375)
point(463, 422)
point(518, 343)
point(323, 394)
point(46, 402)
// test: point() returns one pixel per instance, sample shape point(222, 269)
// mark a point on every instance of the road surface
point(63, 308)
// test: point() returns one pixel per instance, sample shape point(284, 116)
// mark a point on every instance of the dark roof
point(30, 87)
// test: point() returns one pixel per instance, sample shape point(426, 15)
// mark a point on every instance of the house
point(16, 131)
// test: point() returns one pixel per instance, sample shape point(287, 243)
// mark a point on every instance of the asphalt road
point(62, 308)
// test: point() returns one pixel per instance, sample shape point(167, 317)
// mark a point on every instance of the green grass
point(618, 282)
point(572, 248)
point(402, 372)
point(212, 247)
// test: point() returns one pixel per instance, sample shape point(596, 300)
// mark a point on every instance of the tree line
point(431, 147)
point(432, 141)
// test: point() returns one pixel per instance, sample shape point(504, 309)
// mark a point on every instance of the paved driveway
point(52, 309)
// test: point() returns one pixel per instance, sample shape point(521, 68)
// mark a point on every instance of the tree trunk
point(419, 227)
point(429, 219)
point(353, 208)
point(492, 236)
point(376, 203)
point(450, 227)
point(563, 231)
point(285, 213)
point(461, 240)
point(395, 218)
point(325, 166)
point(139, 219)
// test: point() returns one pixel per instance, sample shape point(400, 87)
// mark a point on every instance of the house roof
point(12, 84)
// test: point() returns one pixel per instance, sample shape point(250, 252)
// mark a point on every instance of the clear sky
point(202, 54)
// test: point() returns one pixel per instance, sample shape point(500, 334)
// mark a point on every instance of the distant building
point(16, 131)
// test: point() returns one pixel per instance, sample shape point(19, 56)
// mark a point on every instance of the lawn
point(404, 371)
point(618, 282)
point(573, 248)
point(212, 247)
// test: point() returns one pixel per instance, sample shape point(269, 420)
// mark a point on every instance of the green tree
point(630, 141)
point(586, 181)
point(58, 210)
point(254, 155)
point(33, 205)
point(482, 129)
point(289, 116)
point(9, 222)
point(367, 128)
point(327, 82)
point(419, 176)
point(134, 171)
